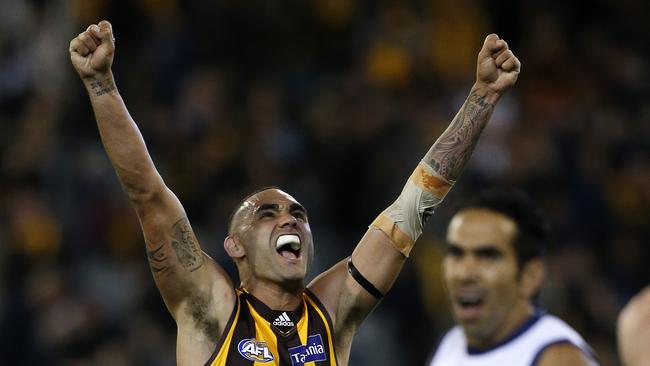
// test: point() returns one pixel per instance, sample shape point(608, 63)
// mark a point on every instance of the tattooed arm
point(496, 71)
point(196, 290)
point(380, 254)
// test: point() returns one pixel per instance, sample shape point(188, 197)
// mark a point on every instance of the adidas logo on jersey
point(283, 321)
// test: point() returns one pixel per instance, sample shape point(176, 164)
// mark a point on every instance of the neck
point(286, 296)
point(519, 315)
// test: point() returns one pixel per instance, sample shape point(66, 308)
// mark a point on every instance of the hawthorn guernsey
point(260, 335)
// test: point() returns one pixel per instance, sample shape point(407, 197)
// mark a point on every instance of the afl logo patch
point(253, 350)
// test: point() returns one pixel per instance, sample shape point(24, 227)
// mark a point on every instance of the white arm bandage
point(404, 220)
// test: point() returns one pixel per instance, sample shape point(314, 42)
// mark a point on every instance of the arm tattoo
point(100, 87)
point(184, 243)
point(158, 260)
point(452, 150)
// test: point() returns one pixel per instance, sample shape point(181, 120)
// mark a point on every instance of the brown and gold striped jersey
point(259, 336)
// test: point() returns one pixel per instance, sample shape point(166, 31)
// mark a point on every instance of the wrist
point(99, 83)
point(483, 90)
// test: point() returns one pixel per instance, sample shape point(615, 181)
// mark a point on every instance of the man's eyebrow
point(297, 207)
point(489, 249)
point(268, 206)
point(450, 245)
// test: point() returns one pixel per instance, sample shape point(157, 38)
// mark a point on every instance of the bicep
point(564, 354)
point(377, 261)
point(180, 269)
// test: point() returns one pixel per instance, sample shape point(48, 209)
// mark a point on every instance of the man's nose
point(288, 220)
point(466, 268)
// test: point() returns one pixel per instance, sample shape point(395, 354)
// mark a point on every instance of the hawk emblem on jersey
point(256, 351)
point(310, 352)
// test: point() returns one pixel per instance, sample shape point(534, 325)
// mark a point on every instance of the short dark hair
point(233, 214)
point(533, 228)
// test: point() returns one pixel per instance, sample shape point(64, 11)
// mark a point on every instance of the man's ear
point(233, 247)
point(532, 276)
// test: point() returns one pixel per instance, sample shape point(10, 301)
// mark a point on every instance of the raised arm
point(379, 256)
point(195, 289)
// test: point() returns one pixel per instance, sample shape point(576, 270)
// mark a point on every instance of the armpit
point(198, 308)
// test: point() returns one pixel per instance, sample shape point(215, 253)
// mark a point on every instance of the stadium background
point(335, 101)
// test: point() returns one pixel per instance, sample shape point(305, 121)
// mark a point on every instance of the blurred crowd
point(335, 101)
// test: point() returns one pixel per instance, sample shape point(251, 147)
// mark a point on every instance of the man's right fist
point(92, 51)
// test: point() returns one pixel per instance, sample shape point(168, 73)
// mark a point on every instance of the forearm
point(122, 140)
point(403, 221)
point(450, 153)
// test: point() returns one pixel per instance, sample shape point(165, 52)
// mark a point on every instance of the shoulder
point(563, 353)
point(563, 344)
point(326, 287)
point(553, 327)
point(452, 341)
point(451, 348)
point(454, 333)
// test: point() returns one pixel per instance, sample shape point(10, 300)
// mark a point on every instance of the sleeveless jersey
point(259, 336)
point(523, 347)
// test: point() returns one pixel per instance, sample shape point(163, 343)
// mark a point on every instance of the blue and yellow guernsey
point(259, 336)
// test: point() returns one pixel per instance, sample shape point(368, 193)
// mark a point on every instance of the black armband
point(363, 281)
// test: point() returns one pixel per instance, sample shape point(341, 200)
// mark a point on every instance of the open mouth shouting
point(469, 305)
point(288, 246)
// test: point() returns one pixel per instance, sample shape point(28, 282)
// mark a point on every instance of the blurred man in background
point(493, 269)
point(272, 316)
point(634, 330)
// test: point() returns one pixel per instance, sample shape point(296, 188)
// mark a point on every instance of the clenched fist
point(497, 68)
point(92, 51)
